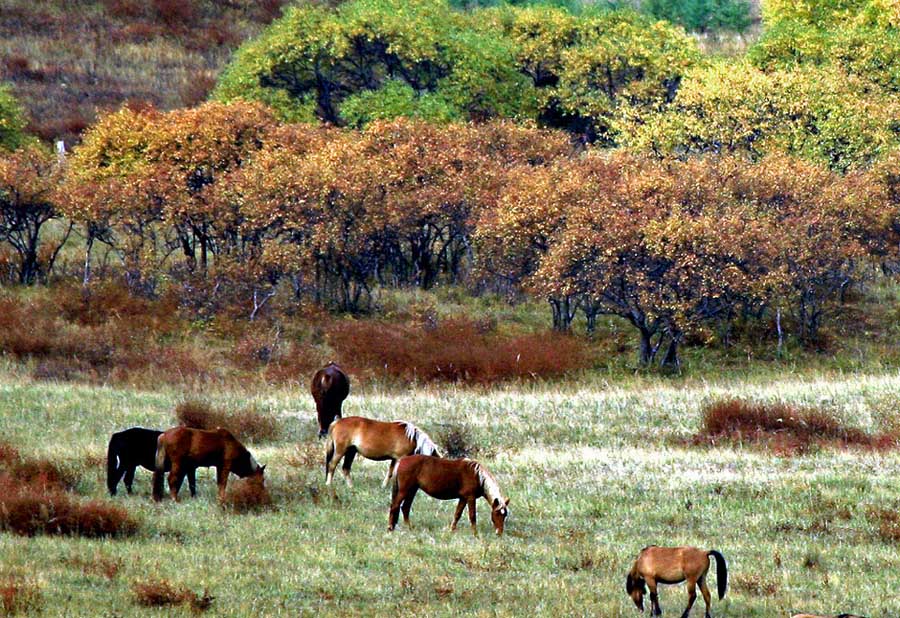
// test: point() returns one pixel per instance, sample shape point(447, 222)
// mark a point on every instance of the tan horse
point(183, 449)
point(447, 479)
point(673, 565)
point(820, 616)
point(376, 440)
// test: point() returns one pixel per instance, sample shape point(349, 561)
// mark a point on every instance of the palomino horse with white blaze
point(447, 479)
point(376, 440)
point(673, 565)
point(183, 449)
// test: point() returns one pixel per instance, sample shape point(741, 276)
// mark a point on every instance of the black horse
point(129, 449)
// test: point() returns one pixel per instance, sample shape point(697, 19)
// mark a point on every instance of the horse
point(185, 449)
point(447, 479)
point(129, 449)
point(673, 565)
point(820, 616)
point(329, 388)
point(376, 440)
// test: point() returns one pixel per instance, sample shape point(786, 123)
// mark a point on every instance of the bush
point(161, 592)
point(18, 596)
point(247, 496)
point(456, 350)
point(456, 440)
point(246, 424)
point(12, 120)
point(788, 429)
point(702, 15)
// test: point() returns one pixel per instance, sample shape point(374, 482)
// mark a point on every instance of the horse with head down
point(376, 440)
point(182, 450)
point(329, 388)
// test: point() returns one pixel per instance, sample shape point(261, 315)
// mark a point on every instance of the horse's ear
point(507, 502)
point(496, 503)
point(262, 468)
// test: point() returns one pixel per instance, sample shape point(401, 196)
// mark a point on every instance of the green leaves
point(12, 120)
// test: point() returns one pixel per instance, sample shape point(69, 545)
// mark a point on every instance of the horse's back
point(137, 444)
point(438, 477)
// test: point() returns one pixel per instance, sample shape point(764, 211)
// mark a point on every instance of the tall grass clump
point(155, 592)
point(246, 424)
point(18, 596)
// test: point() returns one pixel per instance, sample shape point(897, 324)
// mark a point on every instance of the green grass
point(594, 474)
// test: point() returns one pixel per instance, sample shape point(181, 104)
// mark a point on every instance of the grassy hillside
point(594, 475)
point(67, 60)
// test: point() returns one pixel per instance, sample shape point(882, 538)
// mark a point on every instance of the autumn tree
point(29, 180)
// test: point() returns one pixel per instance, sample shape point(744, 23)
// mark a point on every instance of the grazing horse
point(447, 479)
point(185, 449)
point(820, 616)
point(376, 440)
point(329, 388)
point(129, 449)
point(673, 565)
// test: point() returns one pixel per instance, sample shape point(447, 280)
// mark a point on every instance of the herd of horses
point(415, 463)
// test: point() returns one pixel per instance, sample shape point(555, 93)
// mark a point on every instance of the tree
point(28, 183)
point(12, 120)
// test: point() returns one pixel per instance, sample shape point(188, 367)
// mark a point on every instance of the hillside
point(67, 60)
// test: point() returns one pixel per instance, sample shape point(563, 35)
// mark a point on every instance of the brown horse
point(673, 565)
point(447, 479)
point(820, 616)
point(376, 440)
point(329, 388)
point(185, 449)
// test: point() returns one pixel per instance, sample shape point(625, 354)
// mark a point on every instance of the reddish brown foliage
point(787, 429)
point(888, 522)
point(161, 592)
point(104, 567)
point(176, 13)
point(247, 495)
point(18, 596)
point(457, 350)
point(246, 424)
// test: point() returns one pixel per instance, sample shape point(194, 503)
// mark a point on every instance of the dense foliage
point(379, 59)
point(12, 120)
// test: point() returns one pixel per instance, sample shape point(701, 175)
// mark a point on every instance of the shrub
point(456, 440)
point(161, 592)
point(19, 596)
point(888, 523)
point(246, 424)
point(788, 429)
point(12, 120)
point(456, 350)
point(98, 565)
point(247, 496)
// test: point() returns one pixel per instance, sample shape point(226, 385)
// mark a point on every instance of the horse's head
point(636, 587)
point(499, 513)
point(246, 465)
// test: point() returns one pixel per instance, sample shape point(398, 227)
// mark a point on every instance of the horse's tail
point(112, 464)
point(159, 469)
point(721, 571)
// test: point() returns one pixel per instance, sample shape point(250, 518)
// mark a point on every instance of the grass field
point(593, 473)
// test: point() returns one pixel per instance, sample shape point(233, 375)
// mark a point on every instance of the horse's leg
point(705, 592)
point(129, 477)
point(394, 511)
point(348, 462)
point(192, 481)
point(332, 458)
point(113, 479)
point(459, 509)
point(656, 610)
point(692, 596)
point(175, 477)
point(222, 473)
point(471, 503)
point(391, 468)
point(407, 505)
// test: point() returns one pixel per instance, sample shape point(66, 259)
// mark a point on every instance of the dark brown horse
point(376, 440)
point(447, 479)
point(329, 388)
point(129, 449)
point(673, 565)
point(184, 449)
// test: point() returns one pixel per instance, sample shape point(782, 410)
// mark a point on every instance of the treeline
point(225, 199)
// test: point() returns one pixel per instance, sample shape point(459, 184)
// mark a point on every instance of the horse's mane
point(487, 480)
point(424, 444)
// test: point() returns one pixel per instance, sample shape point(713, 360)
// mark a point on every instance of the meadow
point(595, 471)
